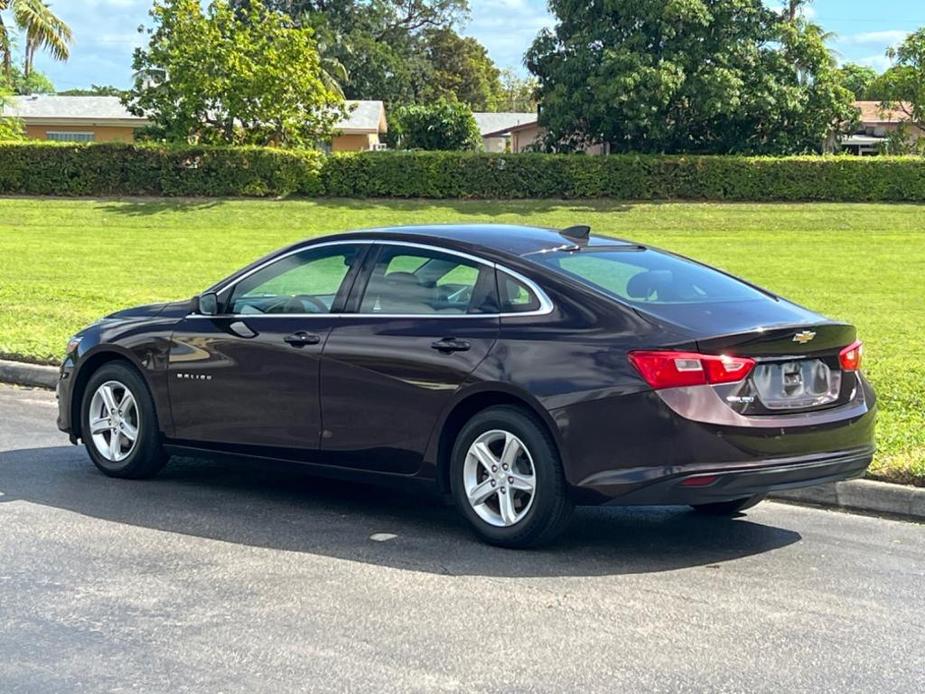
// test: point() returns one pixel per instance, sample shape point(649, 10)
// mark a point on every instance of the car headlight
point(73, 344)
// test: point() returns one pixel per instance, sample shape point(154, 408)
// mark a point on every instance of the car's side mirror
point(208, 304)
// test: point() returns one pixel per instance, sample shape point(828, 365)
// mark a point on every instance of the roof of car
point(514, 239)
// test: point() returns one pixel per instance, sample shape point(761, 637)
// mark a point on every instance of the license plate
point(796, 384)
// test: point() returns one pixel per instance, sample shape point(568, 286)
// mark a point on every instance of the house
point(105, 119)
point(497, 129)
point(362, 128)
point(75, 118)
point(875, 125)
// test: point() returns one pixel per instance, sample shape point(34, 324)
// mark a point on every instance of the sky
point(106, 32)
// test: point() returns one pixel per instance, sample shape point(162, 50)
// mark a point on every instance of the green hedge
point(110, 169)
point(121, 169)
point(627, 177)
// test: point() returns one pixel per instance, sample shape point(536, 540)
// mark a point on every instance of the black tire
point(147, 456)
point(551, 508)
point(728, 508)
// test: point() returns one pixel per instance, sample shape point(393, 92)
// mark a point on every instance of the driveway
point(246, 576)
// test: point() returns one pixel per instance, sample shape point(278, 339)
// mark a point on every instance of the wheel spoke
point(99, 425)
point(511, 450)
point(481, 493)
point(129, 432)
point(484, 455)
point(506, 504)
point(115, 447)
point(126, 403)
point(524, 483)
point(109, 398)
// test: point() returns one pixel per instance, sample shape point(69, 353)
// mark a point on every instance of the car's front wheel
point(507, 479)
point(119, 423)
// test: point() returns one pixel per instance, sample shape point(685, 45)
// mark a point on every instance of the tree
point(95, 90)
point(400, 51)
point(42, 28)
point(517, 94)
point(713, 76)
point(461, 68)
point(903, 85)
point(10, 128)
point(858, 79)
point(442, 125)
point(245, 76)
point(35, 83)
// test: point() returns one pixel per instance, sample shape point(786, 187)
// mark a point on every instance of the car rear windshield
point(660, 283)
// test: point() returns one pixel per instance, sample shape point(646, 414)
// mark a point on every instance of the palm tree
point(42, 28)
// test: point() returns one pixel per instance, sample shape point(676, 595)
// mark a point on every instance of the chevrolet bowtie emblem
point(804, 336)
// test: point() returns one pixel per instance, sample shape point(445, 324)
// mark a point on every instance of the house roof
point(364, 117)
point(500, 123)
point(76, 109)
point(872, 113)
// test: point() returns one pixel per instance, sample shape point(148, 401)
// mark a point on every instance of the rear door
point(250, 376)
point(422, 319)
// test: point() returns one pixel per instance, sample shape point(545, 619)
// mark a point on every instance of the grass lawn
point(65, 263)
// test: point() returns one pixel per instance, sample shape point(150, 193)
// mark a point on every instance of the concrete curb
point(28, 374)
point(865, 496)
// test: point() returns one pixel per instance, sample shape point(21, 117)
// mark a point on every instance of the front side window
point(410, 281)
point(304, 282)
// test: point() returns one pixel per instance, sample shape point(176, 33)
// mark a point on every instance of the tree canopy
point(41, 29)
point(859, 80)
point(902, 86)
point(10, 128)
point(231, 75)
point(400, 51)
point(713, 76)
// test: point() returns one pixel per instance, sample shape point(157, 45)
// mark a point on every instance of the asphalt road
point(228, 577)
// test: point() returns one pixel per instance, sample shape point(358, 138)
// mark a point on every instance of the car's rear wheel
point(119, 423)
point(507, 479)
point(728, 508)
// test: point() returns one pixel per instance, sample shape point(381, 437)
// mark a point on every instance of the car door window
point(303, 282)
point(419, 282)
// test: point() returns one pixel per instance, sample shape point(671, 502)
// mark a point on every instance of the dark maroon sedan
point(522, 370)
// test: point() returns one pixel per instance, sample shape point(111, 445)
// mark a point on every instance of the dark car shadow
point(282, 507)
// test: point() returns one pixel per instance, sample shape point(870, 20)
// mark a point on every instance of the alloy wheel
point(113, 421)
point(499, 478)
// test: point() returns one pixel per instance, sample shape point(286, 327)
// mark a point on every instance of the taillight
point(850, 357)
point(674, 369)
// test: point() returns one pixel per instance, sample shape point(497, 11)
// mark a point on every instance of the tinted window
point(516, 297)
point(412, 281)
point(305, 282)
point(661, 284)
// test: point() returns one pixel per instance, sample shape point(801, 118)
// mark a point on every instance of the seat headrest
point(649, 283)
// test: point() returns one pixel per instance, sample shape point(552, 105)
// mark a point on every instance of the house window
point(57, 136)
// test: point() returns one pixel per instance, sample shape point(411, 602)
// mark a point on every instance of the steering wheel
point(315, 301)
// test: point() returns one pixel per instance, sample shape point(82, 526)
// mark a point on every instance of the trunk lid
point(797, 367)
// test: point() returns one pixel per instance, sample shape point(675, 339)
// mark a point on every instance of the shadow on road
point(281, 507)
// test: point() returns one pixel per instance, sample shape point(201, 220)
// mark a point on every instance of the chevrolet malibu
point(522, 370)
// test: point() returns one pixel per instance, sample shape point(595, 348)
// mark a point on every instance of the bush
point(120, 169)
point(626, 177)
point(110, 169)
point(442, 125)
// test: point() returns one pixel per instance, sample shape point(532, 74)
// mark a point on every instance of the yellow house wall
point(104, 133)
point(354, 143)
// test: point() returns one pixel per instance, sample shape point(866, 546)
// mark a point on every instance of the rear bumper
point(705, 483)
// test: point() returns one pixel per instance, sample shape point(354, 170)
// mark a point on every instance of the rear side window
point(515, 296)
point(421, 281)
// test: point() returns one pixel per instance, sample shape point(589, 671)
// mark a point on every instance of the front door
point(421, 325)
point(250, 376)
